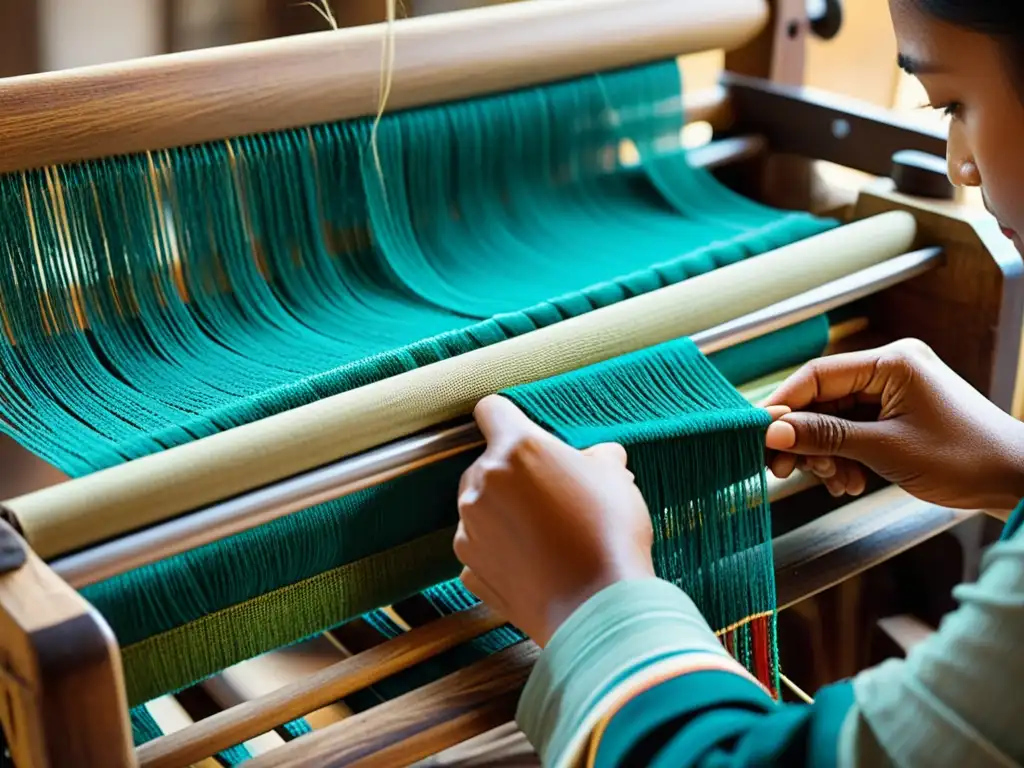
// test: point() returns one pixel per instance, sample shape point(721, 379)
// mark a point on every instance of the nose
point(960, 165)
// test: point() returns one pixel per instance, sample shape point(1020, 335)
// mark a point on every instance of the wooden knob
point(922, 175)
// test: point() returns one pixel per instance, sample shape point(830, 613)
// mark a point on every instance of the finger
point(461, 544)
point(478, 587)
point(856, 477)
point(831, 378)
point(501, 421)
point(778, 411)
point(816, 434)
point(610, 452)
point(783, 465)
point(781, 436)
point(823, 467)
point(836, 488)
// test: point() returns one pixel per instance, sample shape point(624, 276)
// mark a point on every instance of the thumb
point(610, 452)
point(500, 420)
point(819, 434)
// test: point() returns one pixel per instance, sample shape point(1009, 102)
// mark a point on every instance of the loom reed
point(377, 466)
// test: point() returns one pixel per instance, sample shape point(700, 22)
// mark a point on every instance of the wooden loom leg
point(62, 699)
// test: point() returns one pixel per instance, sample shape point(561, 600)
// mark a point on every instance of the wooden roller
point(111, 502)
point(206, 95)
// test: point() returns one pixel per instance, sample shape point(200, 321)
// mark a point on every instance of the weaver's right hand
point(901, 412)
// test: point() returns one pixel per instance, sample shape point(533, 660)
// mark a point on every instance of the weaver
point(170, 315)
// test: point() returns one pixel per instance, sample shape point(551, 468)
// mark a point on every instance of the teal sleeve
point(712, 719)
point(952, 701)
point(628, 630)
point(949, 703)
point(1013, 522)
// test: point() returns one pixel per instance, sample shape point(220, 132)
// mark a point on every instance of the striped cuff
point(624, 640)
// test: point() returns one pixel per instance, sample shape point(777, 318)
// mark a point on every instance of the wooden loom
point(912, 263)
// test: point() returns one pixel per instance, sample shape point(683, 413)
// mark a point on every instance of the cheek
point(999, 154)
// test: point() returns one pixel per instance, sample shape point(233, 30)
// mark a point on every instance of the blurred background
point(42, 35)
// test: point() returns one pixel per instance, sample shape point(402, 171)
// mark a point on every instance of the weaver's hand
point(543, 526)
point(900, 411)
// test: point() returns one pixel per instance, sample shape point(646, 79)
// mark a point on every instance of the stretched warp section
point(696, 448)
point(748, 362)
point(150, 300)
point(183, 619)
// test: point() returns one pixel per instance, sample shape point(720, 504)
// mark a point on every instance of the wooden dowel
point(247, 720)
point(853, 538)
point(143, 492)
point(430, 719)
point(212, 94)
point(494, 713)
point(807, 560)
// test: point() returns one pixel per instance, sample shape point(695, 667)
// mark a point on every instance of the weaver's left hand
point(544, 527)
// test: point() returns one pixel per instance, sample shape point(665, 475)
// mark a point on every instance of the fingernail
point(780, 436)
point(823, 467)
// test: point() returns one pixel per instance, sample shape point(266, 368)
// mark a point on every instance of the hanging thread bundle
point(151, 300)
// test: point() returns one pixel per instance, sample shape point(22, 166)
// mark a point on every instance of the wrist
point(563, 606)
point(1011, 464)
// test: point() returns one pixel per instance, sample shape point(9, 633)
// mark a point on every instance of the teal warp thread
point(696, 449)
point(156, 598)
point(223, 283)
point(739, 364)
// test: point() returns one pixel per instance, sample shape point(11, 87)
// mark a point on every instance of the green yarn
point(182, 619)
point(222, 283)
point(696, 449)
point(225, 282)
point(189, 653)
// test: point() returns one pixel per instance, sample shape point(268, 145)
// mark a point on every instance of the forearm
point(638, 672)
point(636, 675)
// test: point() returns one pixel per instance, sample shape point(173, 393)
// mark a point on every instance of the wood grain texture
point(853, 538)
point(197, 96)
point(60, 673)
point(969, 310)
point(295, 700)
point(427, 720)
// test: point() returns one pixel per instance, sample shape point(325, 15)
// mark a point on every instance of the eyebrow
point(913, 66)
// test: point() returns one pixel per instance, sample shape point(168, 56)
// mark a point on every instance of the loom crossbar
point(390, 461)
point(106, 504)
point(213, 94)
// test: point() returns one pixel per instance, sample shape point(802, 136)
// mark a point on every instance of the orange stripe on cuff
point(683, 664)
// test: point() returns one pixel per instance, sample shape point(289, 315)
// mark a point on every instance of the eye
point(952, 109)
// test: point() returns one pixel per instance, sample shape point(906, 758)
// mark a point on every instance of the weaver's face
point(968, 76)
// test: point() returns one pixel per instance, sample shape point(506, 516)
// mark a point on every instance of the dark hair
point(1002, 19)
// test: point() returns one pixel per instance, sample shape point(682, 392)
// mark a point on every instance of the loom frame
point(759, 97)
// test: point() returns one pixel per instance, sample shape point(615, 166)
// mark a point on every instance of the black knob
point(825, 17)
point(922, 175)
